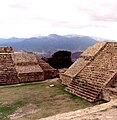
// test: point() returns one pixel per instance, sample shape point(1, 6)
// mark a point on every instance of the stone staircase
point(85, 58)
point(8, 74)
point(90, 82)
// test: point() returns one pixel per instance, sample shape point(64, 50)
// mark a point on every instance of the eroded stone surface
point(99, 112)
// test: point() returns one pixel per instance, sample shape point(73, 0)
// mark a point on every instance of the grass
point(8, 109)
point(49, 100)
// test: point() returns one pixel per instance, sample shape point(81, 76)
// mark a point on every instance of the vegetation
point(47, 99)
point(60, 59)
point(7, 109)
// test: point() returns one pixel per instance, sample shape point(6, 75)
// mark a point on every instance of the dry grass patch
point(46, 100)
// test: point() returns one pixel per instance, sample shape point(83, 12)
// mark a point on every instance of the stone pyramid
point(20, 67)
point(93, 71)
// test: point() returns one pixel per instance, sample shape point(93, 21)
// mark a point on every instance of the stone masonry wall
point(49, 72)
point(18, 68)
point(6, 50)
point(27, 67)
point(8, 74)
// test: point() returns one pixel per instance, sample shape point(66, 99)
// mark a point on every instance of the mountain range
point(50, 43)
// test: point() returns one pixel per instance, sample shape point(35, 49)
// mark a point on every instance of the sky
point(28, 18)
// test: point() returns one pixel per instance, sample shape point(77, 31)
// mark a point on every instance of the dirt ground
point(109, 114)
point(105, 111)
point(23, 111)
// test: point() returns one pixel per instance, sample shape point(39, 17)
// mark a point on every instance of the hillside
point(75, 55)
point(52, 42)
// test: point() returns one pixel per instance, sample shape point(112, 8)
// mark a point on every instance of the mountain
point(10, 40)
point(75, 55)
point(52, 42)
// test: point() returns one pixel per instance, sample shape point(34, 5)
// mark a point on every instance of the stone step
point(90, 81)
point(95, 76)
point(84, 90)
point(94, 79)
point(87, 86)
point(95, 83)
point(82, 95)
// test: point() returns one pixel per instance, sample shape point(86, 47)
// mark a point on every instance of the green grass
point(49, 100)
point(8, 109)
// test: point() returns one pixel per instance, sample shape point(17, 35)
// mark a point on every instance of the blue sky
point(27, 18)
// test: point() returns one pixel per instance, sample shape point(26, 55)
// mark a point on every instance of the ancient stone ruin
point(20, 67)
point(49, 72)
point(94, 75)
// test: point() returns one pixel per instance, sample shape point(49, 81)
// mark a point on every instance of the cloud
point(104, 10)
point(76, 26)
point(18, 6)
point(30, 17)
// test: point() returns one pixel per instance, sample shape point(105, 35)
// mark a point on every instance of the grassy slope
point(49, 100)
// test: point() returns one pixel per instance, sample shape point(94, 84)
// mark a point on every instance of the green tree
point(60, 59)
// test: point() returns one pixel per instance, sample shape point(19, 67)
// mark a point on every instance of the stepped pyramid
point(93, 71)
point(27, 67)
point(20, 67)
point(8, 72)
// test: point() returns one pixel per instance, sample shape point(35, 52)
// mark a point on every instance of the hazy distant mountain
point(75, 55)
point(52, 42)
point(10, 40)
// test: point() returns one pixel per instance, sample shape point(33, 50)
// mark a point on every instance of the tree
point(60, 59)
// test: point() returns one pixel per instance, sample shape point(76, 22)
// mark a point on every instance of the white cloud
point(26, 18)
